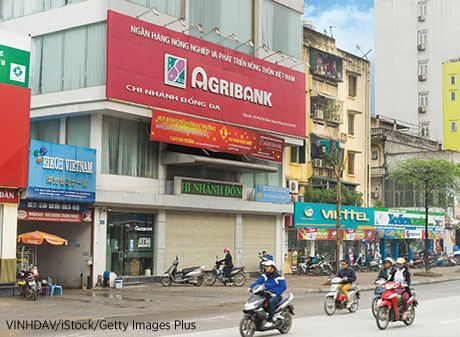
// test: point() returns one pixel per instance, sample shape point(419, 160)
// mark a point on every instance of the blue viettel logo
point(175, 71)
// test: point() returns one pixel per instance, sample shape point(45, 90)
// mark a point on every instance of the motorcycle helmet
point(226, 250)
point(400, 262)
point(270, 263)
point(389, 259)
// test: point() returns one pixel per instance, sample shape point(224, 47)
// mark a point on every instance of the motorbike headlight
point(249, 306)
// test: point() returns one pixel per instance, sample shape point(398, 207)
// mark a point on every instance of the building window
point(351, 163)
point(422, 8)
point(422, 38)
point(126, 148)
point(46, 130)
point(453, 126)
point(281, 28)
point(11, 9)
point(171, 7)
point(78, 131)
point(453, 79)
point(230, 17)
point(375, 154)
point(423, 68)
point(351, 124)
point(294, 154)
point(453, 95)
point(70, 59)
point(423, 99)
point(352, 83)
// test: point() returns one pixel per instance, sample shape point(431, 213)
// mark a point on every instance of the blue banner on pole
point(272, 194)
point(61, 172)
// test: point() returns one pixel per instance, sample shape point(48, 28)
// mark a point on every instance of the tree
point(433, 179)
point(329, 195)
point(335, 159)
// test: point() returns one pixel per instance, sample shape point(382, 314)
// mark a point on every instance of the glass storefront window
point(171, 7)
point(11, 9)
point(130, 243)
point(46, 130)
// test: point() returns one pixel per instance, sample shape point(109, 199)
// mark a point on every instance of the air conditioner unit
point(293, 186)
point(294, 198)
point(422, 109)
point(319, 114)
point(301, 198)
point(422, 77)
point(421, 18)
point(374, 195)
point(421, 47)
point(317, 162)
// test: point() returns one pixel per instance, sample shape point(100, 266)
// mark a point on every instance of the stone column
point(238, 240)
point(8, 238)
point(160, 243)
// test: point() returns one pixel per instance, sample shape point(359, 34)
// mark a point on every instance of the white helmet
point(270, 263)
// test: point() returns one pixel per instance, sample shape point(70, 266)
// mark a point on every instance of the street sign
point(14, 66)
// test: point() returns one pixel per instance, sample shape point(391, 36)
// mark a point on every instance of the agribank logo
point(17, 72)
point(175, 71)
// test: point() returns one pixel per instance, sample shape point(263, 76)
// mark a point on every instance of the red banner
point(158, 67)
point(194, 132)
point(312, 233)
point(53, 216)
point(14, 135)
point(9, 196)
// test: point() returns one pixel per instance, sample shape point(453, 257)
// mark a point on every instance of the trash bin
point(112, 277)
point(105, 282)
point(118, 283)
point(148, 272)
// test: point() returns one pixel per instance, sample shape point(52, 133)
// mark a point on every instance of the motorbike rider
point(275, 283)
point(386, 270)
point(228, 263)
point(401, 275)
point(266, 255)
point(348, 276)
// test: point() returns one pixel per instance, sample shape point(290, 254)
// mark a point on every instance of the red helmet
point(226, 250)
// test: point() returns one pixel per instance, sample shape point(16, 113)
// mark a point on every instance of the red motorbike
point(29, 286)
point(390, 306)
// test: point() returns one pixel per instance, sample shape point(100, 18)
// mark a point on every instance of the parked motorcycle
point(256, 313)
point(379, 290)
point(390, 306)
point(29, 286)
point(193, 275)
point(335, 299)
point(311, 265)
point(238, 275)
point(360, 264)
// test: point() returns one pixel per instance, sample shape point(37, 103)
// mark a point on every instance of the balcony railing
point(379, 171)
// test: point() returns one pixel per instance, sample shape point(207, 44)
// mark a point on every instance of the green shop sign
point(14, 66)
point(211, 188)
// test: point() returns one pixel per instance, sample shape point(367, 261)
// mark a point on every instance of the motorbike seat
point(284, 298)
point(354, 287)
point(188, 270)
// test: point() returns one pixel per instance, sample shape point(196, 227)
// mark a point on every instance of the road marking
point(208, 318)
point(454, 320)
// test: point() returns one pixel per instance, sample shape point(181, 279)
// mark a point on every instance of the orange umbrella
point(37, 237)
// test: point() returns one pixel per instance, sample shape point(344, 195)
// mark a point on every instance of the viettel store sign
point(194, 132)
point(208, 188)
point(158, 67)
point(14, 66)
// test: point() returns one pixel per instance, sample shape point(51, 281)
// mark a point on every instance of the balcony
point(325, 109)
point(378, 171)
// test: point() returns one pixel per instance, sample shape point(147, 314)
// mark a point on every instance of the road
point(436, 315)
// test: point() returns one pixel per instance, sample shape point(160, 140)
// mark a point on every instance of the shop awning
point(37, 238)
point(184, 159)
point(333, 180)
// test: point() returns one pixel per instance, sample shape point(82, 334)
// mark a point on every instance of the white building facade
point(413, 38)
point(139, 223)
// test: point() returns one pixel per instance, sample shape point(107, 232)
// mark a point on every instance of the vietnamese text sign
point(61, 172)
point(54, 216)
point(189, 131)
point(14, 66)
point(9, 196)
point(313, 233)
point(402, 219)
point(272, 194)
point(158, 67)
point(325, 215)
point(209, 188)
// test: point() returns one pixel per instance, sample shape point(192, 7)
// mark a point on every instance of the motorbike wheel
point(239, 280)
point(374, 307)
point(383, 317)
point(29, 293)
point(287, 323)
point(410, 315)
point(166, 281)
point(457, 259)
point(354, 304)
point(247, 327)
point(34, 295)
point(317, 271)
point(375, 268)
point(198, 282)
point(209, 278)
point(329, 306)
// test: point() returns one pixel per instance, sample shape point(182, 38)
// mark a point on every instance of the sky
point(352, 24)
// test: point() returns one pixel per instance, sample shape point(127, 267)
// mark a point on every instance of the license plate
point(31, 283)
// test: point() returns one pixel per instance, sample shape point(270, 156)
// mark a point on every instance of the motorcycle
point(193, 275)
point(263, 259)
point(256, 313)
point(379, 290)
point(238, 275)
point(335, 299)
point(390, 306)
point(29, 287)
point(310, 264)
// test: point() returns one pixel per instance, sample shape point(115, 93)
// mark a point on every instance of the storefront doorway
point(130, 239)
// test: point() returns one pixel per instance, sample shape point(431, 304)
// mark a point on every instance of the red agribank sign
point(158, 67)
point(194, 132)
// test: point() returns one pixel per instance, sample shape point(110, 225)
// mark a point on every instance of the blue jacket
point(350, 273)
point(274, 282)
point(269, 257)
